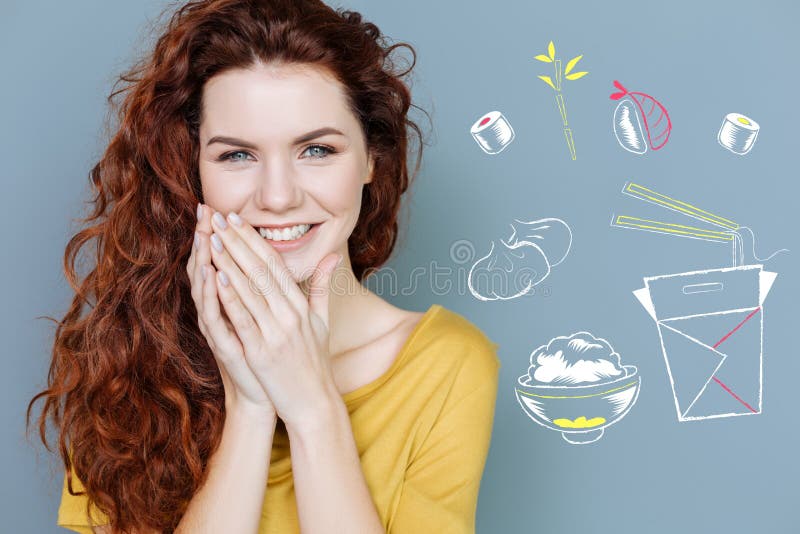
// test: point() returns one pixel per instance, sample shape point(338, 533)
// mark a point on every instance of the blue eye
point(325, 152)
point(328, 150)
point(227, 156)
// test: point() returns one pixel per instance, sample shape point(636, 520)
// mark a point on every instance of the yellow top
point(422, 430)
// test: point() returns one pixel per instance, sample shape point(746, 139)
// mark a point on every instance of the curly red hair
point(143, 402)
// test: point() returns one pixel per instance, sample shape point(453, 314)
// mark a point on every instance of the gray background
point(702, 60)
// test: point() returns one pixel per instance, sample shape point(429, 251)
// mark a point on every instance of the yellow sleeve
point(72, 510)
point(440, 490)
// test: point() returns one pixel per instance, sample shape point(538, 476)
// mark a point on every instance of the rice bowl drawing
point(576, 385)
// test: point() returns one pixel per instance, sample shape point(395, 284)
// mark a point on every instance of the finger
point(257, 257)
point(253, 300)
point(269, 256)
point(203, 256)
point(193, 254)
point(196, 281)
point(243, 322)
point(320, 285)
point(228, 384)
point(190, 262)
point(193, 267)
point(191, 271)
point(223, 337)
point(204, 223)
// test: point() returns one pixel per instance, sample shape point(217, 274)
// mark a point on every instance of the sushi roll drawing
point(492, 132)
point(738, 133)
point(640, 121)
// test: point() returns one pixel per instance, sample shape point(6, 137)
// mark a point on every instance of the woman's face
point(278, 166)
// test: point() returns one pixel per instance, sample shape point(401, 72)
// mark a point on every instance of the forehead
point(287, 98)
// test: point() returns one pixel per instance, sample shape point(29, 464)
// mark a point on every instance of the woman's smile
point(290, 238)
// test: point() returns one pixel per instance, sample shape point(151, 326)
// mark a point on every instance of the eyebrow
point(302, 139)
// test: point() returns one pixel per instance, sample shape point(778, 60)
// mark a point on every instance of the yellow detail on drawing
point(642, 192)
point(613, 390)
point(580, 422)
point(670, 228)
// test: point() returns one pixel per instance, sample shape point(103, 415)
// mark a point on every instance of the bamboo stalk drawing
point(550, 57)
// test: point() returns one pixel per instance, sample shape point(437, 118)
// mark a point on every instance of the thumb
point(320, 285)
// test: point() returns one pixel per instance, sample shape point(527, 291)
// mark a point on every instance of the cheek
point(339, 197)
point(210, 185)
point(219, 190)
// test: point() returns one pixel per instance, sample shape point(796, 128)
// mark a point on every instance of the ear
point(371, 167)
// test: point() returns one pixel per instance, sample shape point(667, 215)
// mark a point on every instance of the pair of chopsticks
point(693, 232)
point(727, 234)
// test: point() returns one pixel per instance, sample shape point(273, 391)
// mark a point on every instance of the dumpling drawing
point(515, 265)
point(640, 121)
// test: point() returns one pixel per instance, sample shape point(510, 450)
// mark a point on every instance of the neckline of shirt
point(352, 396)
point(280, 469)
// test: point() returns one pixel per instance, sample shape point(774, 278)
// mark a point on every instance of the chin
point(300, 272)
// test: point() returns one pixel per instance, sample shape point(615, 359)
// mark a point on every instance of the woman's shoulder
point(456, 340)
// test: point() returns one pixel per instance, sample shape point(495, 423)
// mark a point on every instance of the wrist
point(320, 415)
point(250, 413)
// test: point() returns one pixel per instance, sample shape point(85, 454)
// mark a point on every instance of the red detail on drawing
point(659, 120)
point(718, 343)
point(641, 99)
point(484, 121)
point(738, 326)
point(726, 388)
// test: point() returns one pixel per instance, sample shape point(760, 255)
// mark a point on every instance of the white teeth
point(285, 234)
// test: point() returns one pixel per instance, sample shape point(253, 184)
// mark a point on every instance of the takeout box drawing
point(710, 322)
point(711, 328)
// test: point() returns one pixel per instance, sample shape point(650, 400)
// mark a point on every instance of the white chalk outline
point(638, 123)
point(494, 128)
point(631, 373)
point(725, 123)
point(731, 233)
point(766, 280)
point(514, 242)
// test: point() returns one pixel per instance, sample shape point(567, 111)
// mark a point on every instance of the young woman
point(230, 375)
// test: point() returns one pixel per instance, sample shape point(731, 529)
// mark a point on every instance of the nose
point(278, 190)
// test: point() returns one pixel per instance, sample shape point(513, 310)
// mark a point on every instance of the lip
point(285, 246)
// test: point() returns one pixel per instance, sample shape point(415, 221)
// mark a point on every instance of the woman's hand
point(284, 333)
point(243, 391)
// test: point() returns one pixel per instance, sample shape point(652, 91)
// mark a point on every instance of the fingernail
point(199, 211)
point(234, 218)
point(203, 272)
point(196, 240)
point(219, 220)
point(223, 278)
point(216, 242)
